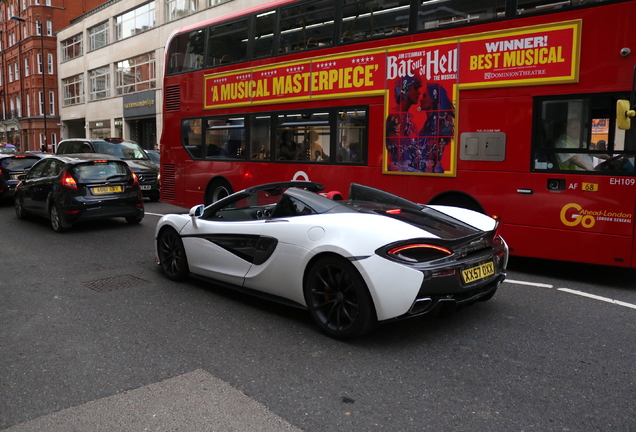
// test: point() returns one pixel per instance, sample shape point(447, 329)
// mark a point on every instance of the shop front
point(140, 115)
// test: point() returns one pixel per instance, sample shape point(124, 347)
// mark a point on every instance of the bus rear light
point(68, 181)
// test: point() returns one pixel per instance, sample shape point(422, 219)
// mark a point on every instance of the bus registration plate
point(107, 189)
point(478, 272)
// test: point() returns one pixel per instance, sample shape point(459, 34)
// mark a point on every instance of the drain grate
point(114, 283)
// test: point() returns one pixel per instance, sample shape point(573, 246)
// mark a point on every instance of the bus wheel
point(458, 200)
point(217, 190)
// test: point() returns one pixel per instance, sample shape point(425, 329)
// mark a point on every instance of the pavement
point(196, 401)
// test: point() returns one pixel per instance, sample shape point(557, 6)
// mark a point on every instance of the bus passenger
point(287, 147)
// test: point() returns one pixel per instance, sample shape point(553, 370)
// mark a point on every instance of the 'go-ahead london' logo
point(573, 214)
point(573, 219)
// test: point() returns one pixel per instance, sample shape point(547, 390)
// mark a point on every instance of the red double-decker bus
point(506, 107)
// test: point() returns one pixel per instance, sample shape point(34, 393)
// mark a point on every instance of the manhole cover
point(114, 283)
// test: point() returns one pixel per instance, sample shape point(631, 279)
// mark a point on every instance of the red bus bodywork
point(574, 224)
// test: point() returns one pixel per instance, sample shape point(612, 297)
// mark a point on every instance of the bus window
point(351, 134)
point(440, 14)
point(368, 19)
point(306, 26)
point(580, 134)
point(260, 137)
point(227, 43)
point(264, 27)
point(224, 138)
point(191, 137)
point(186, 52)
point(309, 136)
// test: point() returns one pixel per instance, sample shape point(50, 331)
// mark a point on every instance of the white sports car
point(352, 264)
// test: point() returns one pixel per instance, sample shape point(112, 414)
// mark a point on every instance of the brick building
point(29, 111)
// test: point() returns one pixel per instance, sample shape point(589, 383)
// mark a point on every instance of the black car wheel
point(56, 219)
point(172, 256)
point(133, 220)
point(19, 208)
point(338, 299)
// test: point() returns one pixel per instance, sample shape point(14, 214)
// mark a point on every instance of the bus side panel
point(593, 248)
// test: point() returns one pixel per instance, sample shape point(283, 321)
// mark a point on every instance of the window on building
point(28, 105)
point(26, 67)
point(39, 59)
point(73, 88)
point(72, 47)
point(135, 21)
point(16, 70)
point(179, 8)
point(216, 2)
point(50, 62)
point(18, 106)
point(41, 102)
point(10, 74)
point(136, 74)
point(38, 27)
point(99, 83)
point(52, 103)
point(49, 28)
point(98, 36)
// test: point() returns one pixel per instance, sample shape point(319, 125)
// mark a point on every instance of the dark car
point(155, 156)
point(13, 165)
point(139, 162)
point(79, 187)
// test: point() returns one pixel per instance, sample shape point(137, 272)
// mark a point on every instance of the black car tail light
point(135, 179)
point(68, 181)
point(418, 252)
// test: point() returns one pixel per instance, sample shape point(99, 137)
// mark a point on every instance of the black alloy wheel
point(172, 256)
point(56, 219)
point(19, 208)
point(338, 299)
point(133, 220)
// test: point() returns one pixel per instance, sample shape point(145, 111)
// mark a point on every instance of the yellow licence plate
point(478, 272)
point(107, 189)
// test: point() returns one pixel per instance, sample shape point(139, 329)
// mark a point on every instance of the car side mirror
point(196, 211)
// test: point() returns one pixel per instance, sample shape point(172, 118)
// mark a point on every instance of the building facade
point(29, 109)
point(110, 63)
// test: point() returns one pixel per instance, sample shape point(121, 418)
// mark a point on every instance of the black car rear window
point(123, 150)
point(100, 171)
point(19, 163)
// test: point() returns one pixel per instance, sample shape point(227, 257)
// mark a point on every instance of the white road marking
point(575, 292)
point(595, 297)
point(540, 285)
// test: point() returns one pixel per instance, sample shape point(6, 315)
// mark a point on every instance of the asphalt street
point(93, 337)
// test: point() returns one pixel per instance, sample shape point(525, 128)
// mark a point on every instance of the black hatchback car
point(12, 166)
point(130, 152)
point(79, 187)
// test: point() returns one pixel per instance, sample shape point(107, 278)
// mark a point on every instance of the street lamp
point(23, 20)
